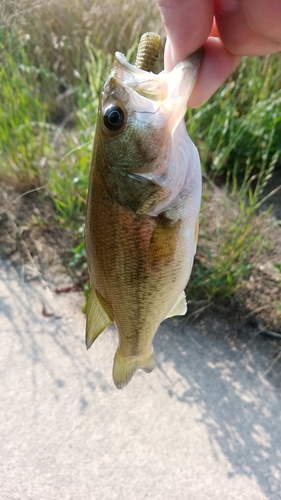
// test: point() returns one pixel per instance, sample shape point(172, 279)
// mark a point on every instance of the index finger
point(188, 24)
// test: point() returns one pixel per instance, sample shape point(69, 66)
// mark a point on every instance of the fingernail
point(228, 6)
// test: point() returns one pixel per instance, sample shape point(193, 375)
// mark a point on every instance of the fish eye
point(113, 117)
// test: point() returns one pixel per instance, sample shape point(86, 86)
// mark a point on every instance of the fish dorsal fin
point(125, 367)
point(97, 319)
point(179, 308)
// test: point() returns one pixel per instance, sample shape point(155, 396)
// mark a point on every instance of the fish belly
point(140, 265)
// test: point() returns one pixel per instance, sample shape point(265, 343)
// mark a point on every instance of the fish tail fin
point(125, 367)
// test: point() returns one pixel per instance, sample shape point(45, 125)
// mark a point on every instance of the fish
point(143, 206)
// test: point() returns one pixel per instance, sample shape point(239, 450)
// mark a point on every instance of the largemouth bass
point(142, 211)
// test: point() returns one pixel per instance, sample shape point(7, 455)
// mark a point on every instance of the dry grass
point(54, 32)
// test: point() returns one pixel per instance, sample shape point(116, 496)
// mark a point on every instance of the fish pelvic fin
point(97, 318)
point(125, 367)
point(180, 307)
point(196, 233)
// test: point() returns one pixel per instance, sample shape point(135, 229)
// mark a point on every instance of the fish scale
point(142, 210)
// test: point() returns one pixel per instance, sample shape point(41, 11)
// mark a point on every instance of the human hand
point(227, 29)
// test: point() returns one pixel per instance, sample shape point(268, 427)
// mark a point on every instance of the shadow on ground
point(235, 378)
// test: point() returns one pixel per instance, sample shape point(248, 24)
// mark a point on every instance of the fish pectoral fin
point(179, 308)
point(125, 367)
point(97, 319)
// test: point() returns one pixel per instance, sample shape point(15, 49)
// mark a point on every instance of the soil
point(31, 236)
point(259, 295)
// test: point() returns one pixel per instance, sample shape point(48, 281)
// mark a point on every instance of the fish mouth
point(146, 84)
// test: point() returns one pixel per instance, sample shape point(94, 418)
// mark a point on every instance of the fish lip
point(122, 60)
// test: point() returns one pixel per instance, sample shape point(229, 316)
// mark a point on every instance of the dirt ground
point(31, 237)
point(259, 295)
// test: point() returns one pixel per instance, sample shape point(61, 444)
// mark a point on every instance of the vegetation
point(54, 58)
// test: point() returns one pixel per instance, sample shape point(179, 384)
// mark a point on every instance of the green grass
point(229, 248)
point(240, 126)
point(24, 128)
point(54, 61)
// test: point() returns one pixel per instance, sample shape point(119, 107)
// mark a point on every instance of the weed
point(238, 135)
point(54, 33)
point(229, 247)
point(241, 124)
point(69, 178)
point(24, 128)
point(68, 184)
point(51, 76)
point(278, 267)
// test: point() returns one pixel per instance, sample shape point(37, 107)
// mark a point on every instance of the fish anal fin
point(180, 307)
point(98, 316)
point(125, 367)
